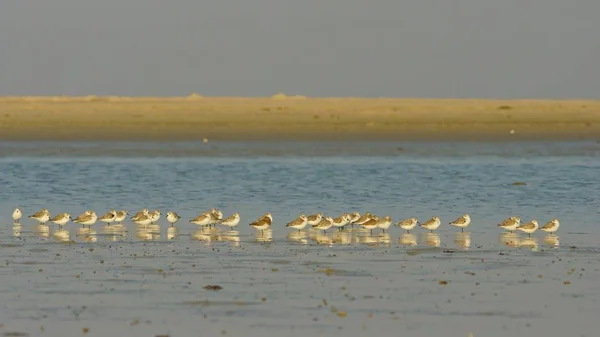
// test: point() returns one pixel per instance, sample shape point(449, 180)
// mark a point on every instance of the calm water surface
point(149, 281)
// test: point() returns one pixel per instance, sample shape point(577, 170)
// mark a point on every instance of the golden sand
point(294, 118)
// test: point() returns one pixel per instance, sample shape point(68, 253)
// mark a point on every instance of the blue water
point(148, 282)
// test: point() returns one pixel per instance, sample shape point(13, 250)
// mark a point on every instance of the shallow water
point(126, 279)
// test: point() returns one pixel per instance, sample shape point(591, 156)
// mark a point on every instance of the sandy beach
point(296, 118)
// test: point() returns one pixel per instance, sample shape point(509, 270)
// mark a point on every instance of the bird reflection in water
point(342, 238)
point(115, 232)
point(431, 239)
point(551, 240)
point(87, 234)
point(384, 239)
point(148, 233)
point(204, 234)
point(463, 239)
point(531, 243)
point(509, 239)
point(264, 235)
point(408, 239)
point(230, 236)
point(322, 239)
point(62, 235)
point(43, 231)
point(17, 228)
point(298, 236)
point(172, 233)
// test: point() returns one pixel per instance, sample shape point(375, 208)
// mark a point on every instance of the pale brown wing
point(58, 217)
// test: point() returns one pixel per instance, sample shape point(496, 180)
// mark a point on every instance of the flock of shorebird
point(316, 221)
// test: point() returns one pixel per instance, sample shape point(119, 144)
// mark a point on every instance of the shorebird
point(263, 222)
point(324, 224)
point(121, 215)
point(341, 221)
point(143, 220)
point(87, 218)
point(529, 227)
point(364, 218)
point(354, 218)
point(17, 215)
point(551, 226)
point(232, 220)
point(61, 219)
point(370, 224)
point(172, 218)
point(137, 215)
point(42, 216)
point(299, 223)
point(314, 219)
point(432, 224)
point(462, 222)
point(204, 219)
point(408, 224)
point(109, 217)
point(155, 216)
point(510, 224)
point(384, 223)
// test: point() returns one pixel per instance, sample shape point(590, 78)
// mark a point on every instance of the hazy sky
point(394, 48)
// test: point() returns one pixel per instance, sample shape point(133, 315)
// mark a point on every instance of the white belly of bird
point(62, 222)
point(261, 227)
point(313, 222)
point(370, 226)
point(43, 219)
point(89, 222)
point(120, 218)
point(231, 223)
point(528, 230)
point(300, 226)
point(144, 222)
point(384, 224)
point(409, 226)
point(203, 222)
point(111, 220)
point(324, 227)
point(552, 229)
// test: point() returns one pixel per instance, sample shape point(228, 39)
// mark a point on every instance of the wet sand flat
point(294, 118)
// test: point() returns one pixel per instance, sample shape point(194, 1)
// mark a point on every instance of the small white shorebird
point(137, 215)
point(87, 218)
point(172, 218)
point(17, 215)
point(232, 220)
point(204, 219)
point(42, 216)
point(109, 217)
point(341, 221)
point(370, 224)
point(314, 219)
point(408, 224)
point(363, 218)
point(324, 224)
point(462, 222)
point(432, 224)
point(143, 220)
point(155, 216)
point(551, 226)
point(354, 218)
point(510, 224)
point(384, 223)
point(61, 219)
point(299, 223)
point(216, 216)
point(262, 223)
point(120, 217)
point(529, 227)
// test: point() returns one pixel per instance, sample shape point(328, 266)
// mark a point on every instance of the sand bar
point(294, 118)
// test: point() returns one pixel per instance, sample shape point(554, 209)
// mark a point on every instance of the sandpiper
point(121, 215)
point(155, 216)
point(87, 218)
point(529, 227)
point(384, 223)
point(432, 224)
point(172, 218)
point(61, 219)
point(371, 224)
point(109, 217)
point(17, 215)
point(324, 224)
point(551, 226)
point(42, 216)
point(262, 223)
point(408, 224)
point(510, 224)
point(204, 219)
point(299, 223)
point(462, 222)
point(314, 219)
point(232, 220)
